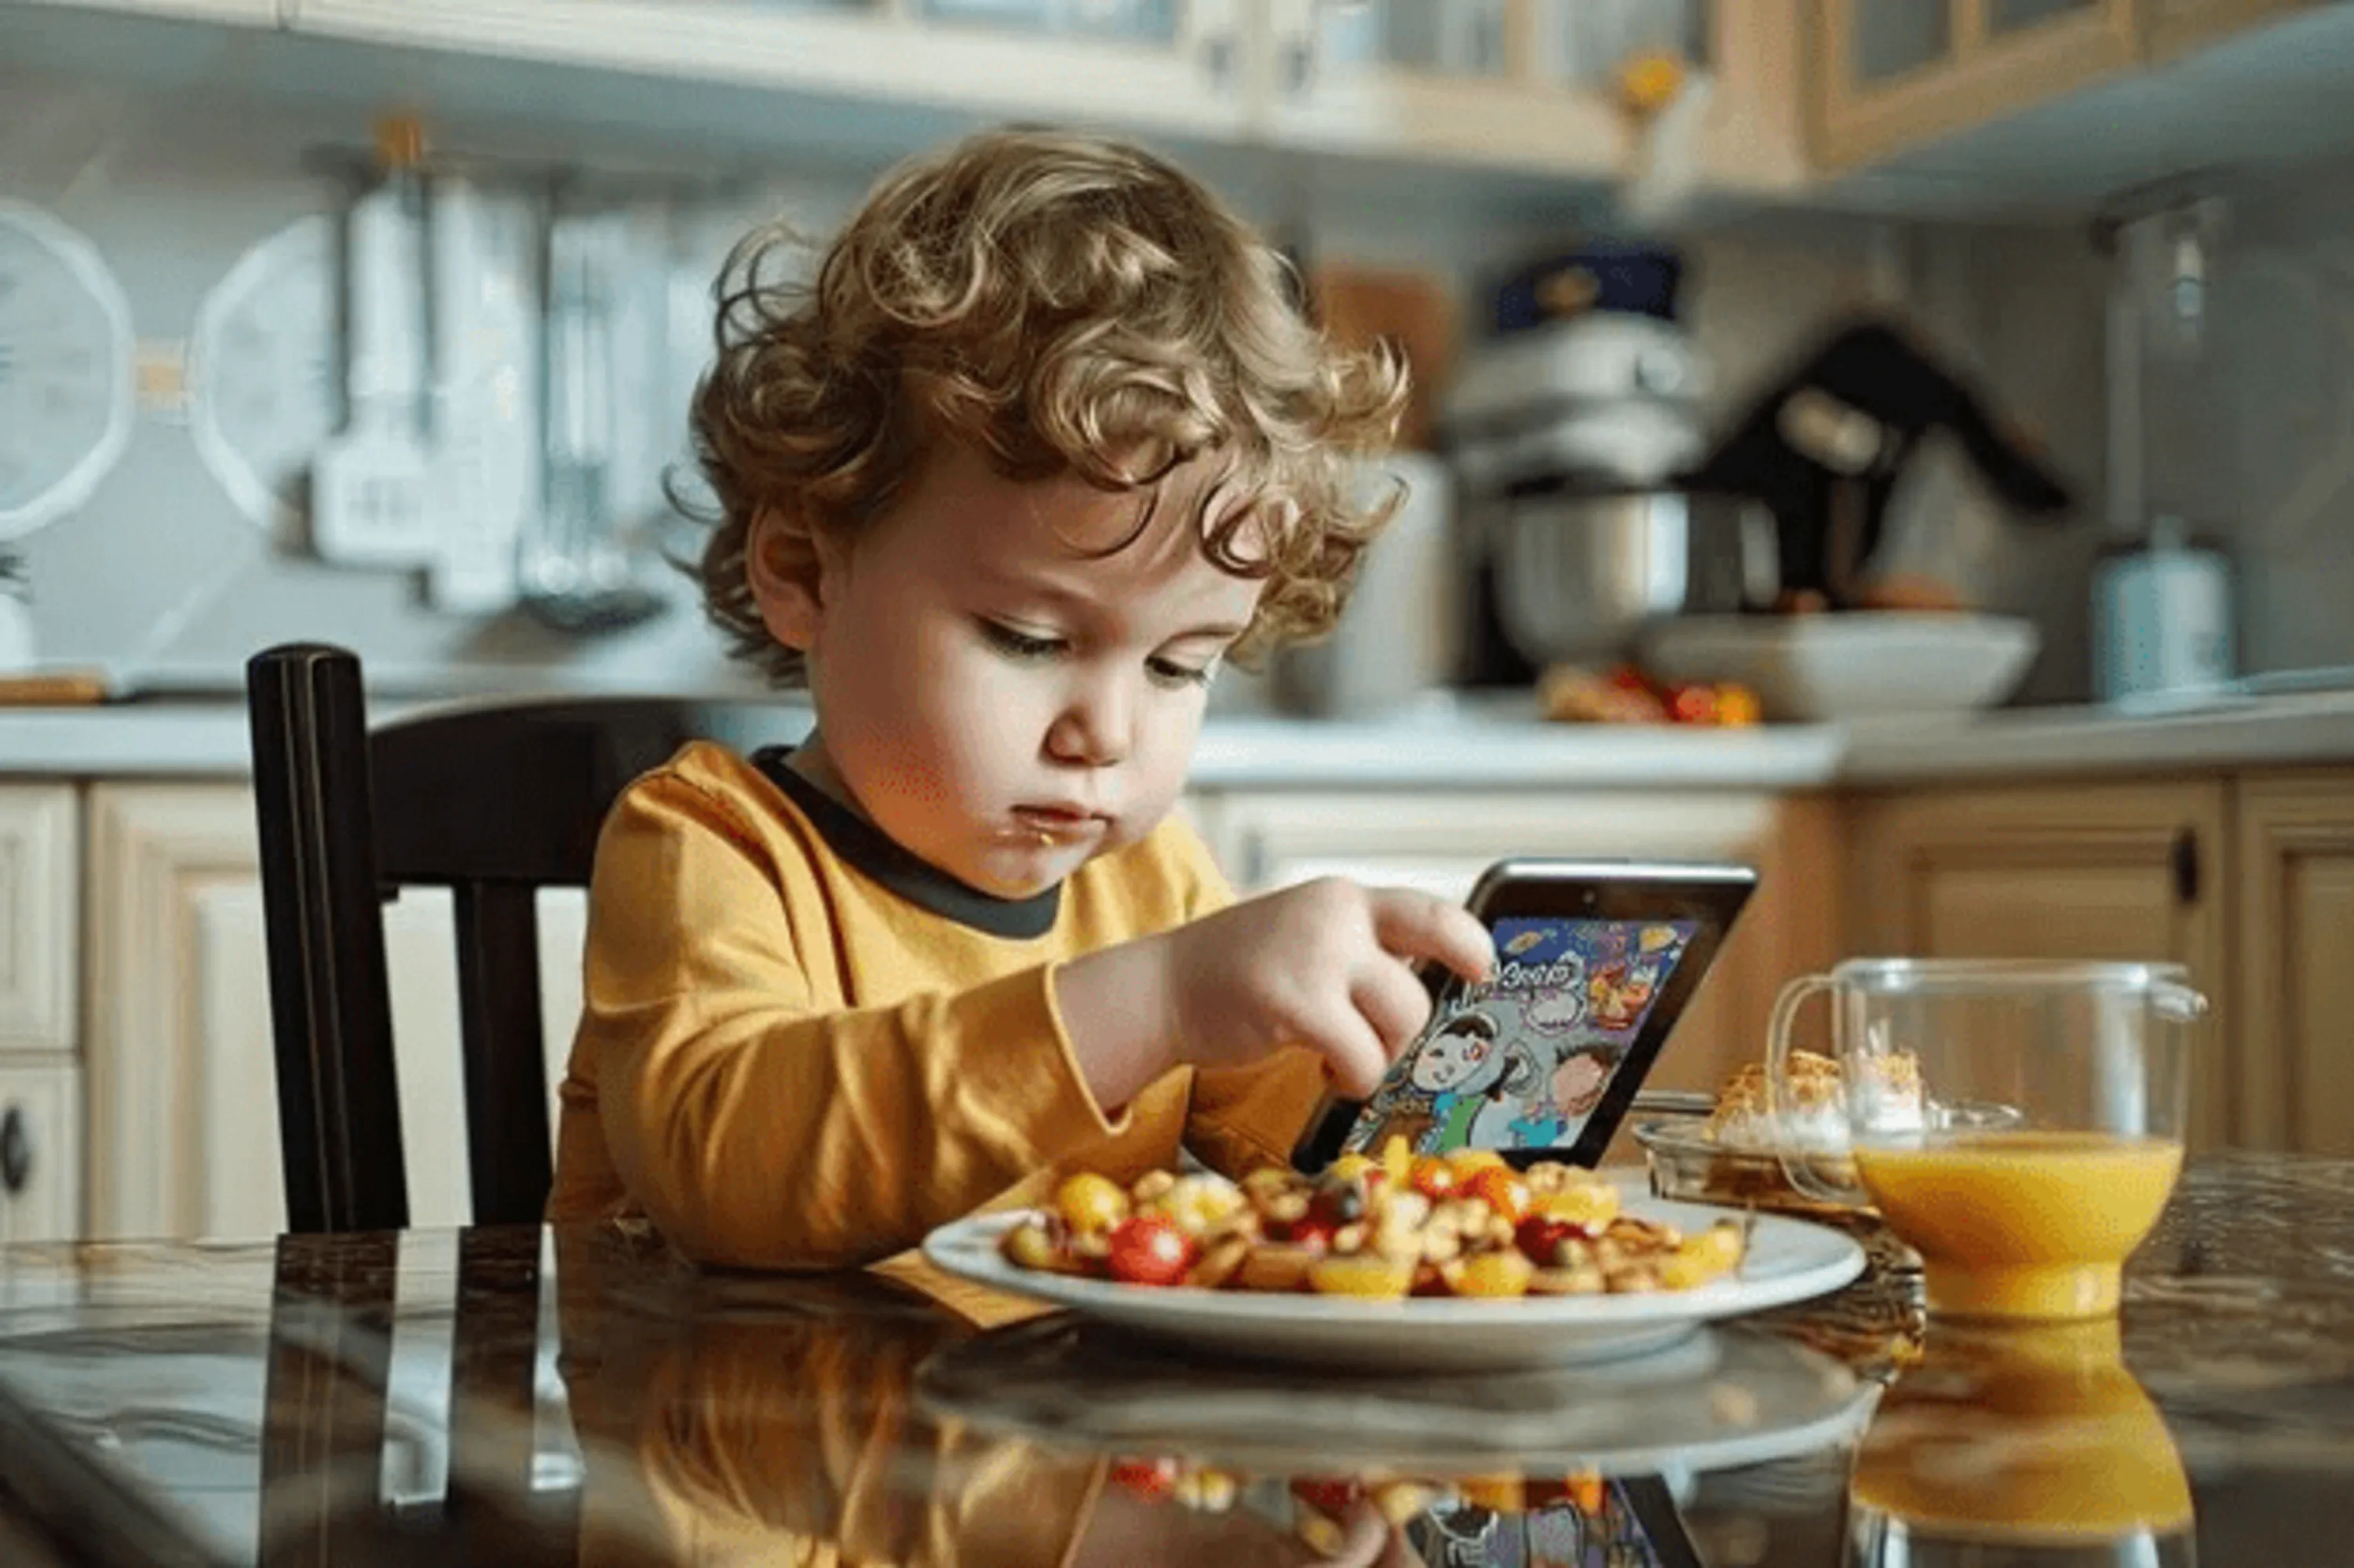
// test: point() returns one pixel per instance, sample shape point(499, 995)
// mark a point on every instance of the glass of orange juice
point(2017, 1122)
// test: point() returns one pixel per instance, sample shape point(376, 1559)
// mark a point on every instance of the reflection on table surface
point(576, 1396)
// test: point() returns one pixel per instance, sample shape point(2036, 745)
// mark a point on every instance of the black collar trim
point(882, 857)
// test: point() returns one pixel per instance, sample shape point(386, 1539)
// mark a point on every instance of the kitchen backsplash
point(161, 573)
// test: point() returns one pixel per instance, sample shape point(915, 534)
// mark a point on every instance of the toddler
point(1041, 446)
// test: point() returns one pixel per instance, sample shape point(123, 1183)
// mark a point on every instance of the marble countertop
point(1452, 742)
point(182, 1403)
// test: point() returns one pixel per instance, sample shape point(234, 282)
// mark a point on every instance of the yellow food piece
point(1397, 1160)
point(1367, 1275)
point(1697, 1259)
point(1467, 1162)
point(1028, 1246)
point(1590, 1205)
point(1350, 1166)
point(1503, 1273)
point(1090, 1202)
point(1198, 1204)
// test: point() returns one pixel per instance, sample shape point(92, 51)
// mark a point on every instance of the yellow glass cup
point(2018, 1123)
point(2017, 1445)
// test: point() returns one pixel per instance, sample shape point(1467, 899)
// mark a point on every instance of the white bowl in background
point(1852, 664)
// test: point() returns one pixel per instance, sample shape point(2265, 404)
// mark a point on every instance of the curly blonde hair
point(1061, 304)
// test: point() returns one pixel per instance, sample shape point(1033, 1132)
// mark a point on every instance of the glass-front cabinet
point(1531, 84)
point(1895, 73)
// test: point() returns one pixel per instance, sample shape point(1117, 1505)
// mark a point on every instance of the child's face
point(997, 701)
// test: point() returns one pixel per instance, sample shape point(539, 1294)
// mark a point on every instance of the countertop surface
point(578, 1395)
point(1451, 742)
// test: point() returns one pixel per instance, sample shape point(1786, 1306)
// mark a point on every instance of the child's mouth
point(1061, 824)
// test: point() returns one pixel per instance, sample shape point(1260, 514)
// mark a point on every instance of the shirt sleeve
point(1240, 1119)
point(757, 1128)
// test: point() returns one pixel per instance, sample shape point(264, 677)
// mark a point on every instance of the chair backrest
point(493, 800)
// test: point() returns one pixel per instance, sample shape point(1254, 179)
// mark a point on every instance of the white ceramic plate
point(1789, 1260)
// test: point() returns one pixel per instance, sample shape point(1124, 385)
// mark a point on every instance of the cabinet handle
point(2185, 865)
point(15, 1150)
point(1299, 67)
point(1218, 59)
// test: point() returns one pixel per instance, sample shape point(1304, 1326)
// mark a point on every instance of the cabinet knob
point(2186, 867)
point(15, 1150)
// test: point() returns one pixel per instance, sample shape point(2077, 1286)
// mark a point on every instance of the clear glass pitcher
point(2017, 1122)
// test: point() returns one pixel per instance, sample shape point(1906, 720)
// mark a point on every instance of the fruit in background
point(1909, 590)
point(1623, 695)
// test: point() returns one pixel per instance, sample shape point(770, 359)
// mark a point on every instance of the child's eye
point(1018, 644)
point(1169, 673)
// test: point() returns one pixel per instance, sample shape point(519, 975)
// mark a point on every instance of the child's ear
point(784, 564)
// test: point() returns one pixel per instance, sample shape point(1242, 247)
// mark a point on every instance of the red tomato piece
point(1149, 1478)
point(1149, 1249)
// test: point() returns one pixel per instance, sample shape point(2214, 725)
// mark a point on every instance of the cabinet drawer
point(41, 1125)
point(38, 908)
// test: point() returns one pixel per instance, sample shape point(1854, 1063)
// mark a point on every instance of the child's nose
point(1093, 730)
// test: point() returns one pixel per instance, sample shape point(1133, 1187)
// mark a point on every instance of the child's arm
point(757, 1128)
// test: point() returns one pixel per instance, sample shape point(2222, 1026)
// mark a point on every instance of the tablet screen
point(1524, 1059)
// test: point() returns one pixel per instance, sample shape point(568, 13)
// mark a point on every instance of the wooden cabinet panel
point(39, 908)
point(1891, 74)
point(184, 1110)
point(2128, 872)
point(2295, 971)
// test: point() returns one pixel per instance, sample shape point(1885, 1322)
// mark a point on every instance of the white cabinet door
point(41, 1125)
point(184, 1108)
point(38, 907)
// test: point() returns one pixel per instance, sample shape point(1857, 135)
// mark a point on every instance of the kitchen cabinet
point(2128, 871)
point(183, 1112)
point(1524, 84)
point(1893, 73)
point(39, 905)
point(1184, 77)
point(2174, 28)
point(1440, 844)
point(2295, 971)
point(252, 13)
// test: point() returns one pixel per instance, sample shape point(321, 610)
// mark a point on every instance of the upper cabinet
point(1895, 73)
point(2076, 82)
point(1531, 84)
point(1175, 66)
point(2176, 27)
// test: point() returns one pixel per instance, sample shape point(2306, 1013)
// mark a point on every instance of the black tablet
point(1595, 962)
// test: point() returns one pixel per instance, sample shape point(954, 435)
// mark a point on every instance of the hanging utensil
point(370, 505)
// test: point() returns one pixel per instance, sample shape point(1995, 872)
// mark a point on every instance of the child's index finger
point(1417, 926)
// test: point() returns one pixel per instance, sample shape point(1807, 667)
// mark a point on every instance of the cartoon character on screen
point(1572, 1089)
point(1619, 992)
point(1476, 1078)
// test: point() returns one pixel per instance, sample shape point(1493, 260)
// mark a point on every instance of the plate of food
point(1433, 1264)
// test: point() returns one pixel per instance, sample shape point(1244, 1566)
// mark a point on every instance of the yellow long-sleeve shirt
point(801, 1047)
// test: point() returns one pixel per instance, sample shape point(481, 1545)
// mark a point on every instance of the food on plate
point(1461, 1224)
point(1816, 1118)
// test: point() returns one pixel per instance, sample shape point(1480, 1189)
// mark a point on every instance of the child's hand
point(1326, 964)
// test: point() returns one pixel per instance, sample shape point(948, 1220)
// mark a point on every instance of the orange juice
point(2023, 1224)
point(2035, 1433)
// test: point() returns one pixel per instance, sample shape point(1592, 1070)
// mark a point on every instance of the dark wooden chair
point(493, 800)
